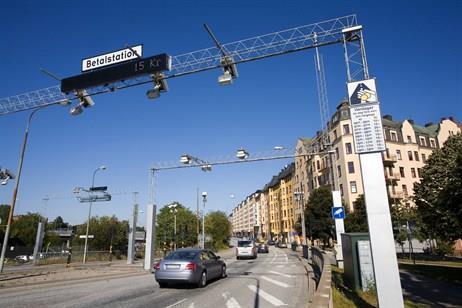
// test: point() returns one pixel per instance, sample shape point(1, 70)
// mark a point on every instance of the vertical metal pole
point(16, 189)
point(38, 241)
point(149, 253)
point(89, 216)
point(174, 229)
point(304, 242)
point(131, 235)
point(203, 224)
point(197, 215)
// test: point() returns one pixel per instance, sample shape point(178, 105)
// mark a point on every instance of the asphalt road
point(272, 280)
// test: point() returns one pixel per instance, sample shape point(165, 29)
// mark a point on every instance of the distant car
point(281, 245)
point(194, 266)
point(263, 248)
point(22, 258)
point(246, 249)
point(271, 242)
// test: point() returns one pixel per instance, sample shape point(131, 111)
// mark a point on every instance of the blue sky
point(412, 47)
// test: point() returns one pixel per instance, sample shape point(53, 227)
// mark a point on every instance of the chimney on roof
point(442, 119)
point(388, 117)
point(452, 119)
point(411, 121)
point(428, 124)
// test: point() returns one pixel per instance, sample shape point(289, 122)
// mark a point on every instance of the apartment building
point(408, 146)
point(245, 217)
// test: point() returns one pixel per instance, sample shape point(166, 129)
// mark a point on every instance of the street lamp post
point(300, 195)
point(18, 178)
point(204, 200)
point(89, 213)
point(173, 210)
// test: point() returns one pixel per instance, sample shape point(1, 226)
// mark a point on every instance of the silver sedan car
point(189, 265)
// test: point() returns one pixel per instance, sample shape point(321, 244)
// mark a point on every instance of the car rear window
point(244, 244)
point(182, 255)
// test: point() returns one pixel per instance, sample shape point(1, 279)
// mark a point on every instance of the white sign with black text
point(112, 58)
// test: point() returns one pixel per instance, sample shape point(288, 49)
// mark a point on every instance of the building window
point(394, 136)
point(419, 172)
point(416, 155)
point(335, 134)
point(353, 187)
point(346, 129)
point(422, 141)
point(413, 173)
point(348, 148)
point(401, 171)
point(351, 167)
point(409, 155)
point(336, 153)
point(339, 171)
point(424, 158)
point(317, 165)
point(341, 189)
point(405, 190)
point(398, 154)
point(432, 143)
point(409, 139)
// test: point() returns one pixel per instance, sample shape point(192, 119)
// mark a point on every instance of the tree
point(357, 220)
point(186, 222)
point(438, 196)
point(318, 215)
point(4, 209)
point(106, 230)
point(24, 229)
point(218, 227)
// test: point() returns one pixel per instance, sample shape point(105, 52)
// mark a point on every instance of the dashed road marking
point(231, 302)
point(281, 274)
point(281, 284)
point(191, 306)
point(268, 297)
point(177, 303)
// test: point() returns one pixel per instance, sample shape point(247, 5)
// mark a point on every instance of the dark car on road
point(262, 248)
point(189, 265)
point(281, 245)
point(271, 242)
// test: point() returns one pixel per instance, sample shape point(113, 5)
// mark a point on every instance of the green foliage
point(24, 229)
point(438, 196)
point(218, 227)
point(4, 209)
point(318, 215)
point(357, 220)
point(106, 230)
point(186, 227)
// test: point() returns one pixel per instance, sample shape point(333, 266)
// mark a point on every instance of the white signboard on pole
point(365, 117)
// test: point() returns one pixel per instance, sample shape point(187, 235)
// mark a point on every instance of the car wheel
point(163, 285)
point(203, 280)
point(237, 258)
point(223, 271)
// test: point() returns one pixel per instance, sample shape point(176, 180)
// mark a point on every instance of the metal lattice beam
point(269, 45)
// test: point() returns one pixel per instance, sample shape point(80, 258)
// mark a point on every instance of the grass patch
point(442, 273)
point(343, 297)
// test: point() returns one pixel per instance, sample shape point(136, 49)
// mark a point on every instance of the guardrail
point(323, 277)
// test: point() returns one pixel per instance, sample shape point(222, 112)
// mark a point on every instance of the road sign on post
point(338, 212)
point(369, 143)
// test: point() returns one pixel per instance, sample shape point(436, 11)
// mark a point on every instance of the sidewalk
point(58, 273)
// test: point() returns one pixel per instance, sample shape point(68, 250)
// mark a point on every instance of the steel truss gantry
point(256, 48)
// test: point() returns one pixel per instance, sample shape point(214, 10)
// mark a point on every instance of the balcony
point(389, 160)
point(392, 177)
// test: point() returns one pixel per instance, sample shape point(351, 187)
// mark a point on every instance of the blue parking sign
point(338, 212)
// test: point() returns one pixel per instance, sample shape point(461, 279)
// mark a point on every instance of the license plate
point(172, 266)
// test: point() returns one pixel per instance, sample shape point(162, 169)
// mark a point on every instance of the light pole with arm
point(18, 178)
point(173, 210)
point(89, 212)
point(204, 200)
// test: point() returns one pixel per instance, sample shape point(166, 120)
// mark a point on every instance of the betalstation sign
point(365, 116)
point(112, 58)
point(123, 71)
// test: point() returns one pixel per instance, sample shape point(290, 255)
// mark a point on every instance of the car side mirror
point(218, 257)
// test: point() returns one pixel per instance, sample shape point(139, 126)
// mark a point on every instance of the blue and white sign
point(338, 212)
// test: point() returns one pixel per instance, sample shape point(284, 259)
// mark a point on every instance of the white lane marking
point(287, 259)
point(268, 297)
point(231, 302)
point(274, 258)
point(281, 284)
point(191, 306)
point(279, 265)
point(177, 303)
point(281, 274)
point(293, 265)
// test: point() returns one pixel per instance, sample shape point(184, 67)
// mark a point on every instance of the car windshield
point(182, 255)
point(244, 244)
